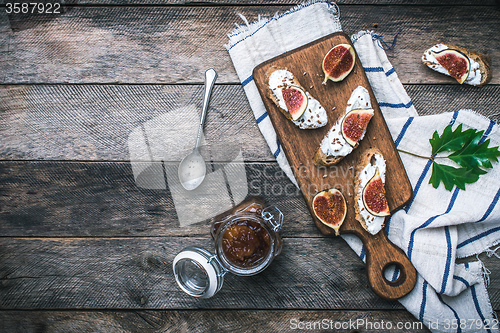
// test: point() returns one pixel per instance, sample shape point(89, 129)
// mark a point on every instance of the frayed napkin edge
point(248, 29)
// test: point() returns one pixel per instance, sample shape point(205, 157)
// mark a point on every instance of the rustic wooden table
point(83, 248)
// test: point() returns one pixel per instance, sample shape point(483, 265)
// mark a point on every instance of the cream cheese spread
point(373, 223)
point(313, 117)
point(334, 143)
point(428, 58)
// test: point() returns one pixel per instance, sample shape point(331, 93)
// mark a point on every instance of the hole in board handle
point(394, 274)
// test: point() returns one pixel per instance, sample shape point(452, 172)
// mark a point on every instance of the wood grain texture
point(136, 273)
point(175, 44)
point(185, 321)
point(300, 146)
point(67, 122)
point(78, 199)
point(94, 122)
point(84, 236)
point(133, 3)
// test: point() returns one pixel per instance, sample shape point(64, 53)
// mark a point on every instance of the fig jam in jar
point(246, 241)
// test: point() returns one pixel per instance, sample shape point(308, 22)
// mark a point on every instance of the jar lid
point(198, 272)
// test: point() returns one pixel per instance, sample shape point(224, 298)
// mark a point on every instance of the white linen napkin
point(437, 226)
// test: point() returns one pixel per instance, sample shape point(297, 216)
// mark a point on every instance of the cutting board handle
point(380, 255)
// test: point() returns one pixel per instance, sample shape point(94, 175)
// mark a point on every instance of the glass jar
point(246, 242)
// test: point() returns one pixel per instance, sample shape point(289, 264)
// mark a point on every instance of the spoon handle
point(210, 77)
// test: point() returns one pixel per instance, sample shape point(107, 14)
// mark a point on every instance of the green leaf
point(451, 176)
point(476, 154)
point(451, 140)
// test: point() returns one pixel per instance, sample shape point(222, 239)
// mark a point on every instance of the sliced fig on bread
point(465, 66)
point(370, 202)
point(294, 102)
point(345, 135)
point(354, 125)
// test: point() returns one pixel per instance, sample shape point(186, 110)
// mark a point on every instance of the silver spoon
point(192, 169)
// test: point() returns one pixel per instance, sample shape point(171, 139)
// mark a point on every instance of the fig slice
point(354, 125)
point(295, 100)
point(455, 62)
point(338, 62)
point(374, 198)
point(330, 208)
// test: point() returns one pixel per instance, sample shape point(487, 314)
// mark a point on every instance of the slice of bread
point(334, 147)
point(482, 60)
point(365, 159)
point(321, 158)
point(270, 93)
point(313, 117)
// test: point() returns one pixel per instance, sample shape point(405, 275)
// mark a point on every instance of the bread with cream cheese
point(372, 224)
point(313, 117)
point(482, 60)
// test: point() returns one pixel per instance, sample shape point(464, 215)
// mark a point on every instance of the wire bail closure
point(274, 216)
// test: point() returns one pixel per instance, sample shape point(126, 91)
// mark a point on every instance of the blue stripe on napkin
point(430, 220)
point(461, 279)
point(373, 69)
point(390, 71)
point(247, 80)
point(459, 329)
point(488, 131)
point(475, 238)
point(424, 300)
point(419, 183)
point(262, 117)
point(426, 169)
point(379, 70)
point(448, 260)
point(396, 106)
point(403, 131)
point(478, 308)
point(490, 207)
point(277, 152)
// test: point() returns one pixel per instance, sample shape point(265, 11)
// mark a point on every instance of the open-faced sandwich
point(348, 131)
point(466, 67)
point(293, 100)
point(370, 202)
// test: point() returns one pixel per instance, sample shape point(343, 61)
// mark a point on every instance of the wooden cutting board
point(300, 145)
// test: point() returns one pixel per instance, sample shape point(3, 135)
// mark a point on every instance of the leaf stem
point(417, 155)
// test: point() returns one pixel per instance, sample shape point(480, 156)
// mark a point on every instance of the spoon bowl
point(192, 169)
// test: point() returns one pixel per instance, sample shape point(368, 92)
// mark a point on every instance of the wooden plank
point(136, 273)
point(94, 122)
point(207, 321)
point(260, 2)
point(99, 122)
point(102, 199)
point(176, 44)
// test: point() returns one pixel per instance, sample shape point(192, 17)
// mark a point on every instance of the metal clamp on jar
point(246, 241)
